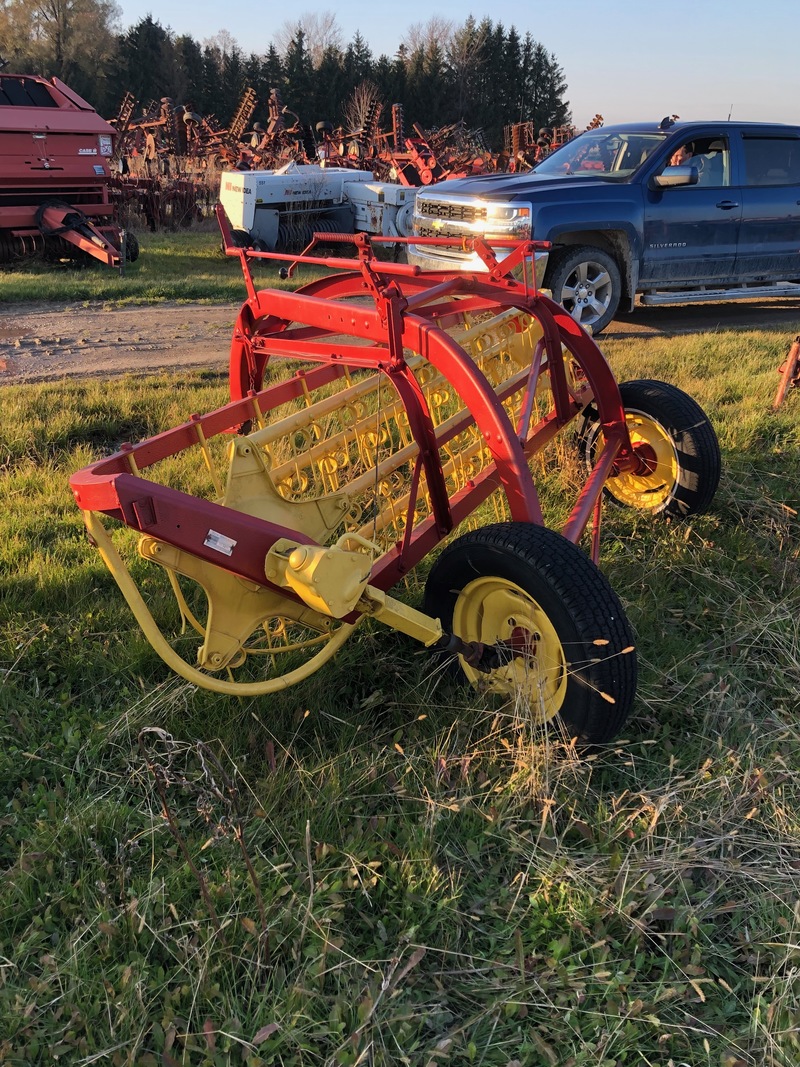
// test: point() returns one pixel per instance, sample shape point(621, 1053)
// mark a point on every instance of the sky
point(628, 60)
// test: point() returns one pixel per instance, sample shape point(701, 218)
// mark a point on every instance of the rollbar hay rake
point(282, 520)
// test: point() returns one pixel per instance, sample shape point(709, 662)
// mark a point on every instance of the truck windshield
point(600, 154)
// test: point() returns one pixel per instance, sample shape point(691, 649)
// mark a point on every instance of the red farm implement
point(789, 371)
point(54, 172)
point(373, 413)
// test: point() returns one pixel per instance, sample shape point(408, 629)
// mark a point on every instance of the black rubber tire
point(579, 604)
point(564, 272)
point(131, 247)
point(699, 463)
point(240, 239)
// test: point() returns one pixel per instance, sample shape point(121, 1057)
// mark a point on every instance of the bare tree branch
point(424, 36)
point(320, 29)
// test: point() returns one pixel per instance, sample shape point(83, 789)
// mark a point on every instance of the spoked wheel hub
point(584, 293)
point(587, 293)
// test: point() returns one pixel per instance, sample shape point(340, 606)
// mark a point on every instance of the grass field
point(379, 867)
point(188, 266)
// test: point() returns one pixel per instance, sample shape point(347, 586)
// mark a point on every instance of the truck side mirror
point(672, 176)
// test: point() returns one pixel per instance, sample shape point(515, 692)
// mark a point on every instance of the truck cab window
point(771, 160)
point(601, 154)
point(709, 155)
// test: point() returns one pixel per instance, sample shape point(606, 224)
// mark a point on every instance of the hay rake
point(372, 413)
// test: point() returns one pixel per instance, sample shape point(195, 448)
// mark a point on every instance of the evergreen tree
point(543, 98)
point(189, 64)
point(511, 85)
point(212, 81)
point(357, 64)
point(464, 58)
point(273, 68)
point(485, 70)
point(478, 71)
point(415, 103)
point(399, 83)
point(492, 115)
point(299, 75)
point(436, 88)
point(329, 93)
point(233, 85)
point(253, 72)
point(147, 60)
point(383, 76)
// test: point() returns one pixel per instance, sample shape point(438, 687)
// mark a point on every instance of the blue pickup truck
point(670, 211)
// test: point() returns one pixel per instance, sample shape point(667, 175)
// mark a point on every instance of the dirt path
point(46, 342)
point(41, 342)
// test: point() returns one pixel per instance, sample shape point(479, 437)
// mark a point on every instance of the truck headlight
point(508, 221)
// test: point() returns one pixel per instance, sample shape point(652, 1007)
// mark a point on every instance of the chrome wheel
point(586, 282)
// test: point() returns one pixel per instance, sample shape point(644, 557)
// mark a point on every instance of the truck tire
point(587, 283)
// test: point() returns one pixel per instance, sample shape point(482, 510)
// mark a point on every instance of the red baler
point(55, 154)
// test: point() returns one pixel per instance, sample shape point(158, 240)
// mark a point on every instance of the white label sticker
point(105, 144)
point(220, 543)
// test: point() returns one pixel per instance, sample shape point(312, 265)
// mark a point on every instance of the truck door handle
point(726, 205)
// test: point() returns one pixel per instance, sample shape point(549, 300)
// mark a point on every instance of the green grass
point(186, 266)
point(381, 868)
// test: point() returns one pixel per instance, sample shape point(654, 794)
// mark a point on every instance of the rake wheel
point(570, 646)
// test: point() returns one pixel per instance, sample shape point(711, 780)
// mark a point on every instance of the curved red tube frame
point(321, 325)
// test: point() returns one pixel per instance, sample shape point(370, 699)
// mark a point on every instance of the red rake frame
point(392, 319)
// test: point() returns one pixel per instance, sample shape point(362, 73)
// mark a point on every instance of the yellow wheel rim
point(492, 609)
point(651, 488)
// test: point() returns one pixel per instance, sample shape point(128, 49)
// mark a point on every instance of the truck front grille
point(452, 211)
point(421, 230)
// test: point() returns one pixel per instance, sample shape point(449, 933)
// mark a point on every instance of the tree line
point(479, 71)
